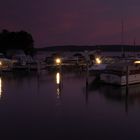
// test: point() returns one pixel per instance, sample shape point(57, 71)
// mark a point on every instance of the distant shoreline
point(108, 48)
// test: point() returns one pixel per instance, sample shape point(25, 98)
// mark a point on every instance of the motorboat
point(122, 73)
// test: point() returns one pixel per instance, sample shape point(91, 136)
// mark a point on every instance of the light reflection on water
point(58, 82)
point(58, 78)
point(0, 87)
point(41, 108)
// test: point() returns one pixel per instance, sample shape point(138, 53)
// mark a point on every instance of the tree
point(16, 40)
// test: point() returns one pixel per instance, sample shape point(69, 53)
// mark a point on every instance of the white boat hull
point(119, 80)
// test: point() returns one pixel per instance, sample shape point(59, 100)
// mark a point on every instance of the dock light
point(58, 61)
point(98, 60)
point(0, 63)
point(137, 62)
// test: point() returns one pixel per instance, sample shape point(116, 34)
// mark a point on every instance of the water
point(43, 108)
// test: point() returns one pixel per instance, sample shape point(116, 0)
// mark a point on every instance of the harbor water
point(59, 106)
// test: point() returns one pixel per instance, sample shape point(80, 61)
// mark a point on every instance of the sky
point(73, 22)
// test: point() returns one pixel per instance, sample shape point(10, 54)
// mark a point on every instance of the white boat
point(98, 67)
point(25, 62)
point(121, 73)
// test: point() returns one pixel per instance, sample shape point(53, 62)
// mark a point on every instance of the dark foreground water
point(33, 107)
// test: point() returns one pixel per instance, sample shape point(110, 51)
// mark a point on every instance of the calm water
point(33, 107)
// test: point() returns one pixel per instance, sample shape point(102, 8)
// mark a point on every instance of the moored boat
point(121, 73)
point(25, 62)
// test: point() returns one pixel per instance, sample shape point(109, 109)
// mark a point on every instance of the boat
point(100, 64)
point(26, 62)
point(122, 73)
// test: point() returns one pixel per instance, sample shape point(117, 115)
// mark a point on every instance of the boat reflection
point(120, 93)
point(123, 95)
point(128, 96)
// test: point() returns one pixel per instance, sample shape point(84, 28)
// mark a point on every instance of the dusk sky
point(73, 22)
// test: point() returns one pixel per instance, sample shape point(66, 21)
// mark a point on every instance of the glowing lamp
point(58, 61)
point(98, 60)
point(137, 62)
point(0, 63)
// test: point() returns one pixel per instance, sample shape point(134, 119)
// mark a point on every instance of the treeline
point(21, 40)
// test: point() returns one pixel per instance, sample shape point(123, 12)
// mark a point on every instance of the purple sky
point(73, 22)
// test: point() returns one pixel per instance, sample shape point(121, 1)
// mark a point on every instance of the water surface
point(41, 107)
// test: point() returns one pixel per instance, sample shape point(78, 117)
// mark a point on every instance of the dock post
point(127, 77)
point(38, 67)
point(87, 74)
point(87, 67)
point(126, 100)
point(86, 94)
point(61, 73)
point(127, 89)
point(28, 67)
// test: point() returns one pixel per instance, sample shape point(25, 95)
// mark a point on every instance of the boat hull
point(119, 80)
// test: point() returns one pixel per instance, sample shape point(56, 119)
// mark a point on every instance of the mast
point(135, 47)
point(122, 38)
